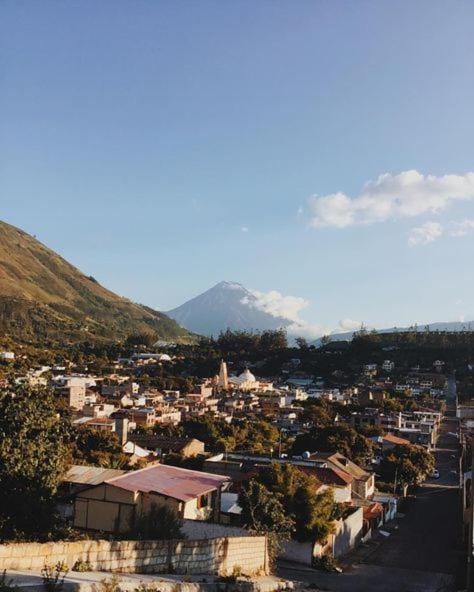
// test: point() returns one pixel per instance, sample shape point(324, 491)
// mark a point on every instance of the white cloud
point(462, 228)
point(425, 234)
point(244, 228)
point(307, 330)
point(286, 307)
point(391, 197)
point(278, 305)
point(350, 325)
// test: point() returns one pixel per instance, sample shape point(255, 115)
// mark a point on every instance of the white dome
point(247, 376)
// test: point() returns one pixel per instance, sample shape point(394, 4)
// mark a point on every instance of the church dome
point(247, 376)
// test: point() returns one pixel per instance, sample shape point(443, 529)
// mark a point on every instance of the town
point(323, 450)
point(236, 312)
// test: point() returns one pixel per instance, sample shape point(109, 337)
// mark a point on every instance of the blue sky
point(163, 146)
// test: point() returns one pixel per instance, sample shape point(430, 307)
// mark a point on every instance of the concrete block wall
point(220, 556)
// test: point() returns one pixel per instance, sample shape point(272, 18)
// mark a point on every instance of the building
point(247, 382)
point(113, 505)
point(390, 441)
point(363, 483)
point(223, 378)
point(105, 424)
point(7, 356)
point(185, 447)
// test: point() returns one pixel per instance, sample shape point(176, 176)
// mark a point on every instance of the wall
point(207, 556)
point(349, 533)
point(297, 552)
point(197, 529)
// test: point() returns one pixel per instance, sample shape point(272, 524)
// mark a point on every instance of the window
point(204, 501)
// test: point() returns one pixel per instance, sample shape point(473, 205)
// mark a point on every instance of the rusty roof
point(329, 475)
point(180, 484)
point(84, 475)
point(395, 439)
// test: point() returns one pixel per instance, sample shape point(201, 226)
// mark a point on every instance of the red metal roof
point(181, 484)
point(395, 439)
point(328, 475)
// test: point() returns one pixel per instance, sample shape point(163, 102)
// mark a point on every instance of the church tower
point(223, 382)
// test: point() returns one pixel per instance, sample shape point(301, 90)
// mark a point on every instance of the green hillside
point(44, 296)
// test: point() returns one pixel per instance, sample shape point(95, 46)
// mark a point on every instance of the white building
point(388, 366)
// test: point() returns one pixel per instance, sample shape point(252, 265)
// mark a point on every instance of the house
point(388, 365)
point(81, 477)
point(97, 423)
point(363, 483)
point(389, 441)
point(137, 453)
point(113, 505)
point(339, 481)
point(144, 416)
point(347, 535)
point(7, 356)
point(185, 447)
point(370, 370)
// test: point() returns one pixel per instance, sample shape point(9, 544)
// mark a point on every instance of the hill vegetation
point(42, 296)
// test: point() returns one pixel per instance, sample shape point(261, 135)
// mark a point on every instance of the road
point(422, 553)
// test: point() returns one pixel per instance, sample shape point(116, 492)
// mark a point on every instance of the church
point(245, 382)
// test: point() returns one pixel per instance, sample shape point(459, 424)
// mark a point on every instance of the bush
point(159, 523)
point(326, 562)
point(54, 576)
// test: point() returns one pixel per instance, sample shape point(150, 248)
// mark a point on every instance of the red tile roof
point(174, 482)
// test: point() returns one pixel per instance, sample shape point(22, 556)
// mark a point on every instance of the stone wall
point(219, 556)
point(199, 529)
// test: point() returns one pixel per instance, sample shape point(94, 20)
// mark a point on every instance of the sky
point(319, 152)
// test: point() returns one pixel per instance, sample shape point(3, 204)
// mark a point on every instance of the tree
point(315, 514)
point(318, 414)
point(263, 513)
point(312, 512)
point(325, 340)
point(302, 343)
point(406, 465)
point(159, 523)
point(271, 341)
point(33, 460)
point(147, 339)
point(335, 438)
point(262, 510)
point(97, 447)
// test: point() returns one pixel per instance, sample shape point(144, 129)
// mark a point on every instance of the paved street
point(422, 553)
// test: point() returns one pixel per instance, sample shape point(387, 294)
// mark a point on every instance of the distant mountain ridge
point(227, 305)
point(454, 326)
point(44, 296)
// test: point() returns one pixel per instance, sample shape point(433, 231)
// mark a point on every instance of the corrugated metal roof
point(181, 484)
point(84, 475)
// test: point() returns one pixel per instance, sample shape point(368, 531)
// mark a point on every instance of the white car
point(435, 474)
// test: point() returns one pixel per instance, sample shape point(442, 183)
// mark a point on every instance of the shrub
point(53, 576)
point(159, 523)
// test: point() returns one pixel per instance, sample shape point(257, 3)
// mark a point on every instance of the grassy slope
point(42, 295)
